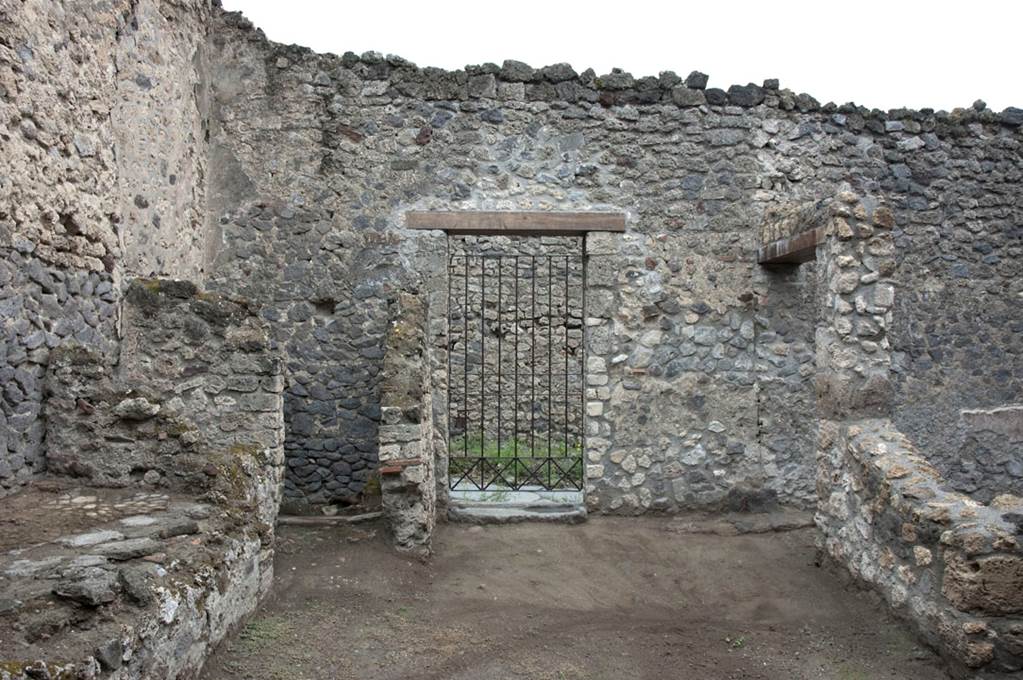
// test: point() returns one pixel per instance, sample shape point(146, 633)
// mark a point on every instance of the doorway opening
point(516, 368)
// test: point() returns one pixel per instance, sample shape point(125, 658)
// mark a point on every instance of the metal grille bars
point(516, 384)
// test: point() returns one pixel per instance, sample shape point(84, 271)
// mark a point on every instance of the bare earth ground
point(609, 599)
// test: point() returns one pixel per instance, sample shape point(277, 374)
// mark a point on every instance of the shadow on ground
point(610, 599)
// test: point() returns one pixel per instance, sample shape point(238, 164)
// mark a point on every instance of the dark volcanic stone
point(697, 80)
point(517, 71)
point(110, 654)
point(127, 550)
point(557, 73)
point(1012, 116)
point(745, 95)
point(492, 116)
point(716, 97)
point(93, 586)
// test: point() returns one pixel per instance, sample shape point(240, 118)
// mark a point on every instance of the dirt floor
point(609, 599)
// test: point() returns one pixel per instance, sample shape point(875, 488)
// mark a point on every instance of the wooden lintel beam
point(509, 223)
point(796, 249)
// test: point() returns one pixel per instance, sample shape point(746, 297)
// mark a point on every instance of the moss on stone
point(253, 450)
point(372, 487)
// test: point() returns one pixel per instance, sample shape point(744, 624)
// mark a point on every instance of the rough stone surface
point(144, 606)
point(103, 122)
point(406, 433)
point(952, 566)
point(169, 138)
point(679, 296)
point(208, 415)
point(987, 442)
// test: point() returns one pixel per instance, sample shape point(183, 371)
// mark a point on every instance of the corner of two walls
point(952, 566)
point(104, 138)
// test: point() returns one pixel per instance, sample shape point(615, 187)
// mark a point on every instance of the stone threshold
point(505, 506)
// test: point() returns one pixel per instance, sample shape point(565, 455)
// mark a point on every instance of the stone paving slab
point(508, 506)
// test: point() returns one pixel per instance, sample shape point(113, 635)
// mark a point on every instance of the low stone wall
point(172, 459)
point(195, 403)
point(954, 567)
point(951, 565)
point(144, 590)
point(406, 434)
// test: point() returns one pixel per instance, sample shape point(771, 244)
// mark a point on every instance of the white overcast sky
point(881, 54)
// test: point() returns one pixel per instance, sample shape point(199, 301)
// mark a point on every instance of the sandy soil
point(609, 599)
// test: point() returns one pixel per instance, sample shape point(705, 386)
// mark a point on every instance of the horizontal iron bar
point(504, 256)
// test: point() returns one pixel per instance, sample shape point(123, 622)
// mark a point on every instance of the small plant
point(737, 642)
point(261, 632)
point(512, 463)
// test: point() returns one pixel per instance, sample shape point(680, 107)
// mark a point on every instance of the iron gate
point(515, 374)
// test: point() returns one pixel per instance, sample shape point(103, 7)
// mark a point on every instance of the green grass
point(262, 632)
point(515, 460)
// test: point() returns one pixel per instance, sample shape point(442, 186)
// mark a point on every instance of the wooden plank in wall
point(796, 249)
point(530, 223)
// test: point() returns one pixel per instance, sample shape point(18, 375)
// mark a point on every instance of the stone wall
point(957, 334)
point(406, 434)
point(195, 404)
point(297, 202)
point(350, 150)
point(952, 182)
point(988, 442)
point(102, 119)
point(952, 566)
point(174, 458)
point(316, 158)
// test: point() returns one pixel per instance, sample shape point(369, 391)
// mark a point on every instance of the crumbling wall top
point(562, 83)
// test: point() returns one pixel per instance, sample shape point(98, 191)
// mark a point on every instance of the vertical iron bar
point(483, 365)
point(582, 364)
point(570, 464)
point(550, 361)
point(500, 332)
point(532, 365)
point(465, 366)
point(447, 341)
point(515, 439)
